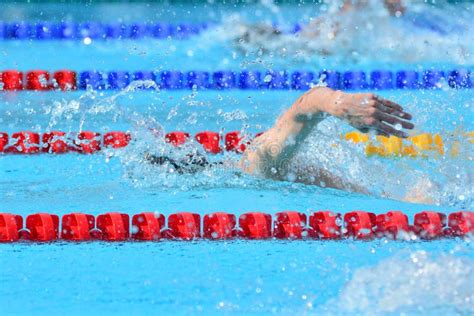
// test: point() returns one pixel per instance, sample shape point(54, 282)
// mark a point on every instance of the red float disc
point(65, 80)
point(219, 225)
point(37, 80)
point(256, 225)
point(11, 80)
point(210, 141)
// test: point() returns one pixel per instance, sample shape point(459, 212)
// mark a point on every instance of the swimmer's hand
point(367, 111)
point(364, 111)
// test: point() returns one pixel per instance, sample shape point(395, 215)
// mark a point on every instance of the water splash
point(93, 102)
point(413, 283)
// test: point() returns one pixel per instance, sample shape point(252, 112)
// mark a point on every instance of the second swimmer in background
point(265, 38)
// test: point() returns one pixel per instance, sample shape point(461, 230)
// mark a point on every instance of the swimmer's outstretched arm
point(269, 154)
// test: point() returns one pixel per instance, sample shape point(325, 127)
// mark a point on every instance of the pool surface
point(237, 276)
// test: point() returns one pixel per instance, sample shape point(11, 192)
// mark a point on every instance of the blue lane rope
point(93, 30)
point(281, 80)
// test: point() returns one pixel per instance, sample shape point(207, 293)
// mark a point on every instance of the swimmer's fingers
point(388, 103)
point(392, 108)
point(384, 128)
point(393, 120)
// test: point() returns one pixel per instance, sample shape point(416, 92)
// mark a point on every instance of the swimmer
point(270, 154)
point(331, 27)
point(264, 36)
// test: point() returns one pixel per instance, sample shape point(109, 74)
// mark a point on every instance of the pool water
point(240, 276)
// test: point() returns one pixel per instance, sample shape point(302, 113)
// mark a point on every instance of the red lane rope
point(148, 226)
point(87, 142)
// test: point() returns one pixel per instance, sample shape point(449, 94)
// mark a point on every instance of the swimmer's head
point(190, 163)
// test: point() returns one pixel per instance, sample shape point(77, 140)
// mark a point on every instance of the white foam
point(417, 283)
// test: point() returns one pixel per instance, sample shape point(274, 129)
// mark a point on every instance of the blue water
point(243, 277)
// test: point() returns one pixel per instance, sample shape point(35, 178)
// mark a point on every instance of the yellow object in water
point(357, 137)
point(409, 151)
point(419, 145)
point(439, 146)
point(426, 142)
point(422, 142)
point(470, 137)
point(392, 146)
point(371, 150)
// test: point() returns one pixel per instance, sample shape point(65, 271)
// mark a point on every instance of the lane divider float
point(151, 226)
point(57, 142)
point(98, 31)
point(67, 80)
point(422, 145)
point(88, 142)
